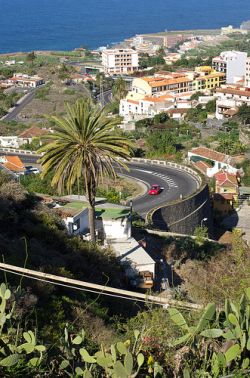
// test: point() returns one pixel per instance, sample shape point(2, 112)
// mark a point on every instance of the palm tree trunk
point(92, 223)
point(90, 194)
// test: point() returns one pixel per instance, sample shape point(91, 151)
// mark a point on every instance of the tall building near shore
point(232, 63)
point(247, 73)
point(120, 61)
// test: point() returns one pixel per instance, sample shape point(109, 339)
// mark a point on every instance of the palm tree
point(82, 150)
point(119, 89)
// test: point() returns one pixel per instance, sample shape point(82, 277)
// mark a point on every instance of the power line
point(94, 288)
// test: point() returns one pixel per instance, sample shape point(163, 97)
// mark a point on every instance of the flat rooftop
point(105, 211)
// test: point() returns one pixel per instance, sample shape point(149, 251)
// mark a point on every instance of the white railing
point(18, 151)
point(173, 165)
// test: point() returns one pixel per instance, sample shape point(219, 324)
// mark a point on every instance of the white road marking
point(143, 170)
point(171, 183)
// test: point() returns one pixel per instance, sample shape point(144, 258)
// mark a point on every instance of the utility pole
point(101, 93)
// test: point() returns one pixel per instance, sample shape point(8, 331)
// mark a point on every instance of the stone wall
point(184, 216)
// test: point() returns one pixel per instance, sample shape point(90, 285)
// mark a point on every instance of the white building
point(229, 99)
point(149, 106)
point(232, 63)
point(247, 73)
point(120, 61)
point(112, 221)
point(218, 160)
point(26, 81)
point(9, 141)
point(113, 226)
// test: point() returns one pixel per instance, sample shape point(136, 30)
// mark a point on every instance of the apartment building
point(231, 63)
point(247, 73)
point(120, 61)
point(229, 99)
point(167, 90)
point(149, 86)
point(208, 78)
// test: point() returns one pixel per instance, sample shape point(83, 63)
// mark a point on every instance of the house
point(9, 142)
point(177, 113)
point(113, 226)
point(77, 78)
point(226, 192)
point(26, 81)
point(33, 132)
point(148, 106)
point(112, 221)
point(217, 159)
point(12, 163)
point(229, 99)
point(202, 166)
point(226, 183)
point(133, 258)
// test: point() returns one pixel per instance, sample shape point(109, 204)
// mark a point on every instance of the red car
point(154, 190)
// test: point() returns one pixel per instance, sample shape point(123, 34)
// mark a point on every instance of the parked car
point(29, 170)
point(154, 190)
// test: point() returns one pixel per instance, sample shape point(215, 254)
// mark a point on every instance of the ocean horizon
point(68, 24)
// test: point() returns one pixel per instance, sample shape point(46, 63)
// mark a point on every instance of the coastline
point(159, 33)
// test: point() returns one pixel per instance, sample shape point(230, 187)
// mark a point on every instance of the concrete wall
point(184, 216)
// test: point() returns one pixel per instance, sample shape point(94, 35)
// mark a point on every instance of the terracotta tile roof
point(13, 163)
point(234, 91)
point(209, 154)
point(178, 111)
point(211, 76)
point(231, 112)
point(33, 132)
point(158, 99)
point(226, 179)
point(202, 166)
point(133, 101)
point(162, 81)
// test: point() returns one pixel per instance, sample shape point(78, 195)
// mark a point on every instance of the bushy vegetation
point(7, 101)
point(55, 331)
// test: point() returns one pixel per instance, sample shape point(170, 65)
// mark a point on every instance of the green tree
point(244, 114)
point(119, 89)
point(161, 142)
point(83, 150)
point(211, 106)
point(31, 57)
point(196, 95)
point(196, 114)
point(160, 118)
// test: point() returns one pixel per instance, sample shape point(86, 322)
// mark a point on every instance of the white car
point(30, 170)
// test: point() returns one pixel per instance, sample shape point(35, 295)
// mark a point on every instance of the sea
point(27, 25)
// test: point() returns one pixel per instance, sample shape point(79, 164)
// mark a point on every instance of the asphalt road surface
point(174, 183)
point(107, 96)
point(13, 115)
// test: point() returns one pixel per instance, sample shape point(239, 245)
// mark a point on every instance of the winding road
point(174, 183)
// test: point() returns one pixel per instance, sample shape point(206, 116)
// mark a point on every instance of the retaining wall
point(184, 216)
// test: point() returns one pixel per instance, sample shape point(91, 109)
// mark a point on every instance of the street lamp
point(203, 220)
point(131, 207)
